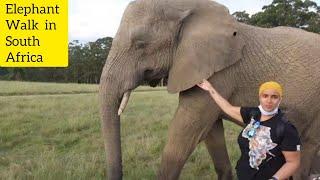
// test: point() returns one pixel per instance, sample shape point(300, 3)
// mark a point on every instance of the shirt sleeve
point(245, 114)
point(291, 140)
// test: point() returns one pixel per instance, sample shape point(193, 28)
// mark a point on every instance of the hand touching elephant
point(187, 41)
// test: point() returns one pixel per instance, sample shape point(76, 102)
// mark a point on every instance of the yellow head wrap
point(271, 85)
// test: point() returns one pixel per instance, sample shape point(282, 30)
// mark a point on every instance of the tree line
point(86, 60)
point(294, 13)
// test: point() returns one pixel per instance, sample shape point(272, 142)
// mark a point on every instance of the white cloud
point(250, 6)
point(90, 20)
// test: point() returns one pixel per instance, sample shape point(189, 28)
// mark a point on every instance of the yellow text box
point(34, 33)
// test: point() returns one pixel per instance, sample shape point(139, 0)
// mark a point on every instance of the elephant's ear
point(208, 42)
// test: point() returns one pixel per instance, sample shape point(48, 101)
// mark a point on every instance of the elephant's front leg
point(192, 122)
point(217, 149)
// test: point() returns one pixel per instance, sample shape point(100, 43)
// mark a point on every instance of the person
point(266, 151)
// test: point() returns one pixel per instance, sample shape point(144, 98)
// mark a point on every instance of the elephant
point(187, 41)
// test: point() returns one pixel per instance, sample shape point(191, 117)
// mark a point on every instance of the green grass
point(30, 88)
point(58, 136)
point(12, 88)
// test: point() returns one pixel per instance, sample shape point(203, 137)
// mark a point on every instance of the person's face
point(269, 99)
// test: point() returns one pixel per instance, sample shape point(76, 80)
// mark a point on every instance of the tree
point(294, 13)
point(242, 16)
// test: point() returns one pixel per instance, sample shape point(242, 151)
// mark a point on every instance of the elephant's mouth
point(148, 73)
point(154, 83)
point(153, 78)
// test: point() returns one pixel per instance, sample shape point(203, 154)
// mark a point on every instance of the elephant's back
point(281, 37)
point(306, 38)
point(282, 49)
point(287, 55)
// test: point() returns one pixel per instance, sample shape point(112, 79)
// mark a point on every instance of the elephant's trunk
point(110, 121)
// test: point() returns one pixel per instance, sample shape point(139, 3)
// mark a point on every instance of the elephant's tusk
point(124, 102)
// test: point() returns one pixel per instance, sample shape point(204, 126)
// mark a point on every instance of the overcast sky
point(90, 20)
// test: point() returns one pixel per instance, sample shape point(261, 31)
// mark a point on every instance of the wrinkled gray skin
point(191, 40)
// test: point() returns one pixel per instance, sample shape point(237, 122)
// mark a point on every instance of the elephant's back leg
point(309, 136)
point(310, 159)
point(192, 121)
point(315, 165)
point(216, 145)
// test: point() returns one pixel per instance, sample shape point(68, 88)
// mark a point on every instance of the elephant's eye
point(140, 44)
point(234, 33)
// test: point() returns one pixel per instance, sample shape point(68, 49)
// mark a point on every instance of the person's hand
point(205, 85)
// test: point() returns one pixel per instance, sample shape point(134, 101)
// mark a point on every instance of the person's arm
point(291, 165)
point(232, 111)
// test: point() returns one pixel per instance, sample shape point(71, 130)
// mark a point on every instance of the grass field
point(52, 131)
